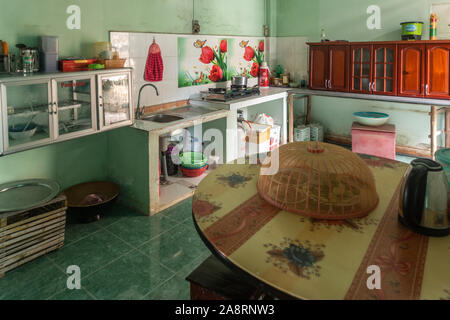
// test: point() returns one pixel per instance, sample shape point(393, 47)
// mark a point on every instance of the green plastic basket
point(192, 160)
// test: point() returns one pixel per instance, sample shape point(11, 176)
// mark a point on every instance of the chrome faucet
point(139, 112)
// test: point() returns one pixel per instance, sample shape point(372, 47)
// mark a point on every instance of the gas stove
point(227, 94)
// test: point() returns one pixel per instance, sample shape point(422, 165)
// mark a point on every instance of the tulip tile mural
point(203, 60)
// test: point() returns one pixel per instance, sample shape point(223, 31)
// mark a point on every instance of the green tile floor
point(125, 255)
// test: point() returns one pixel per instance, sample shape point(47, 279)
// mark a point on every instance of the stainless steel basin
point(162, 118)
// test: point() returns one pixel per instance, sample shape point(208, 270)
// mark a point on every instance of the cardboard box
point(275, 133)
point(259, 133)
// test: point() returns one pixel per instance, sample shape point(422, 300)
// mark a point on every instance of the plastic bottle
point(264, 75)
point(433, 26)
point(323, 37)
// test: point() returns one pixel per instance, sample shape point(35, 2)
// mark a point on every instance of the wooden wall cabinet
point(411, 70)
point(328, 67)
point(437, 77)
point(414, 69)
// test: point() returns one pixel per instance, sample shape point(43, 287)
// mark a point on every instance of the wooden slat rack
point(26, 235)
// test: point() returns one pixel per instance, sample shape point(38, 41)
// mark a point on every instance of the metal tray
point(25, 194)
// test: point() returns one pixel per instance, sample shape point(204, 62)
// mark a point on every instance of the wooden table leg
point(433, 131)
point(291, 117)
point(308, 110)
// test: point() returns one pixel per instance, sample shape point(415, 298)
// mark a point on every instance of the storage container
point(49, 44)
point(103, 50)
point(28, 234)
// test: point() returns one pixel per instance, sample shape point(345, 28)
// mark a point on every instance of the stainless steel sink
point(162, 118)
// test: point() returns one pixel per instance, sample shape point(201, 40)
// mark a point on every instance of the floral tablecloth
point(311, 259)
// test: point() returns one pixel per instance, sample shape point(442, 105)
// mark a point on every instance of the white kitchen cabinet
point(47, 108)
point(114, 94)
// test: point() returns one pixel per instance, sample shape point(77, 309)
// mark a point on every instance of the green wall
point(346, 19)
point(69, 163)
point(21, 21)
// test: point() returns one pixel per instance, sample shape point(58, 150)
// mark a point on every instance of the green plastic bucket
point(412, 30)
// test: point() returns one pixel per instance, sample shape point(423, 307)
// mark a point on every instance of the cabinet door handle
point(326, 84)
point(329, 83)
point(426, 89)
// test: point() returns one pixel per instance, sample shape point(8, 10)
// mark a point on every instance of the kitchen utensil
point(319, 180)
point(412, 30)
point(154, 67)
point(192, 160)
point(88, 201)
point(22, 131)
point(26, 194)
point(369, 118)
point(424, 193)
point(194, 172)
point(239, 81)
point(102, 47)
point(112, 63)
point(29, 60)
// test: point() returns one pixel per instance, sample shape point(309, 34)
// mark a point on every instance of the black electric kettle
point(424, 199)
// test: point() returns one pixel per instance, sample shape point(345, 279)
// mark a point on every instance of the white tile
point(170, 68)
point(138, 45)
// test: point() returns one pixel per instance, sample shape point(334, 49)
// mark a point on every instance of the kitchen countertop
point(377, 97)
point(190, 118)
point(219, 109)
point(267, 94)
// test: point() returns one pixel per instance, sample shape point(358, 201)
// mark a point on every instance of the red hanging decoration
point(154, 67)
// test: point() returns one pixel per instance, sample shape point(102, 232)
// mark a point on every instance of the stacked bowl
point(193, 164)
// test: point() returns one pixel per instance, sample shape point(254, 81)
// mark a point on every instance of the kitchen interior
point(134, 139)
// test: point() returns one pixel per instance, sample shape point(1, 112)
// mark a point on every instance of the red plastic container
point(75, 65)
point(194, 172)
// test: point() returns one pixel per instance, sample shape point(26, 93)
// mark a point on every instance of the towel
point(154, 67)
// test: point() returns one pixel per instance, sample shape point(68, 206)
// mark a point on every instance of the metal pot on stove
point(239, 82)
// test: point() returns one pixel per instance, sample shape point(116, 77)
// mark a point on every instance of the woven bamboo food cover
point(320, 180)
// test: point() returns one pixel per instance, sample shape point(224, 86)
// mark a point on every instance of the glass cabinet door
point(74, 99)
point(27, 114)
point(361, 69)
point(384, 76)
point(115, 100)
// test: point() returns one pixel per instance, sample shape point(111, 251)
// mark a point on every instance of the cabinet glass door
point(75, 102)
point(27, 111)
point(114, 100)
point(384, 77)
point(361, 69)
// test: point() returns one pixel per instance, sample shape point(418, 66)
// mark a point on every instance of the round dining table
point(374, 257)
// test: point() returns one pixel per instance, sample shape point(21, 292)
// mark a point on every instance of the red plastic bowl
point(193, 172)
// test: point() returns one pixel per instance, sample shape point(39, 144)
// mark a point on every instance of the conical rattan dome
point(320, 180)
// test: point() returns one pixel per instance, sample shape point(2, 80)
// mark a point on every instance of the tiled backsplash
point(290, 52)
